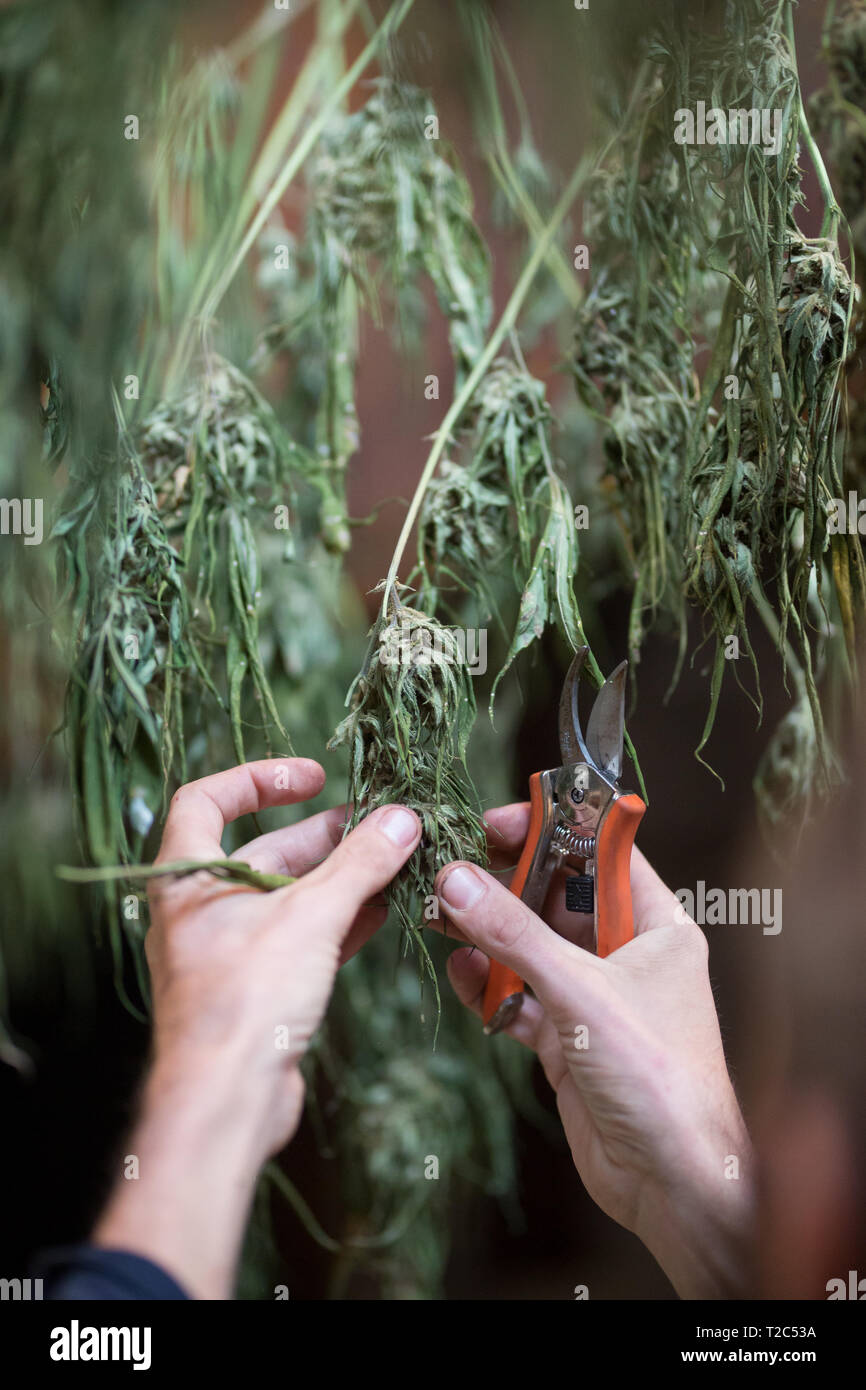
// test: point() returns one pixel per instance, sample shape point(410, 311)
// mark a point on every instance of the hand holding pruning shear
point(580, 819)
point(627, 1032)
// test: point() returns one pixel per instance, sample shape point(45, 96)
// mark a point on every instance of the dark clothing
point(85, 1272)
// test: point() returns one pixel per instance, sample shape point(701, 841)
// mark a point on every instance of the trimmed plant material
point(412, 707)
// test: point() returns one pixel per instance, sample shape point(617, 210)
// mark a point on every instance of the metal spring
point(568, 842)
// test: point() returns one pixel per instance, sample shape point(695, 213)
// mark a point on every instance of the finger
point(201, 810)
point(295, 849)
point(367, 922)
point(468, 971)
point(505, 929)
point(445, 927)
point(507, 827)
point(361, 865)
point(653, 902)
point(578, 927)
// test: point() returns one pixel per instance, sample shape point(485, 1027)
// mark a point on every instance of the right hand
point(631, 1046)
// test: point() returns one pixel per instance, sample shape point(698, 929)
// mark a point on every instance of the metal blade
point(606, 722)
point(570, 737)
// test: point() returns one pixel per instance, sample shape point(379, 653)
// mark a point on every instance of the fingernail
point(400, 826)
point(461, 888)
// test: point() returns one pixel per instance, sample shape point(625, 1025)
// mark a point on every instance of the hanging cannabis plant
point(388, 210)
point(219, 486)
point(712, 344)
point(201, 522)
point(511, 477)
point(839, 112)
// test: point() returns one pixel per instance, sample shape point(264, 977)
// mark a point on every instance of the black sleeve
point(88, 1273)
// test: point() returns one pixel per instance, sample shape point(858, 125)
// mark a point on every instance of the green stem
point(268, 24)
point(832, 211)
point(504, 326)
point(390, 24)
point(829, 16)
point(233, 870)
point(783, 644)
point(300, 1208)
point(283, 129)
point(506, 174)
point(281, 133)
point(485, 37)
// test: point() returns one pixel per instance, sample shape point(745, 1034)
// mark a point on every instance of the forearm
point(197, 1164)
point(699, 1225)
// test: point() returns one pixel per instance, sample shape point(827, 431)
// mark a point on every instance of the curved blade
point(605, 729)
point(571, 742)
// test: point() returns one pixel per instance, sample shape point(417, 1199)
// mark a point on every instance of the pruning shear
point(581, 820)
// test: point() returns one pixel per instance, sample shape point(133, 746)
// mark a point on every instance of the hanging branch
point(725, 486)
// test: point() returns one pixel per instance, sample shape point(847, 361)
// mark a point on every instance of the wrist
point(209, 1103)
point(699, 1224)
point(185, 1199)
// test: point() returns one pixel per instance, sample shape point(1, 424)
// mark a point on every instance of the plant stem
point(504, 326)
point(389, 25)
point(485, 37)
point(202, 305)
point(558, 265)
point(774, 628)
point(285, 125)
point(268, 24)
point(235, 870)
point(832, 211)
point(829, 16)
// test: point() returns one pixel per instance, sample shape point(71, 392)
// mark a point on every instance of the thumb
point(508, 931)
point(362, 864)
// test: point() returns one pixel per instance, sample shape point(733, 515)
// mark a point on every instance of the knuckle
point(159, 890)
point(322, 904)
point(297, 1086)
point(355, 851)
point(303, 896)
point(694, 942)
point(508, 925)
point(367, 857)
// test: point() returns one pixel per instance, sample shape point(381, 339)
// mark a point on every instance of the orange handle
point(503, 995)
point(613, 846)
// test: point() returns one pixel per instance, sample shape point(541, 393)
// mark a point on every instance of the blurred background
point(72, 1051)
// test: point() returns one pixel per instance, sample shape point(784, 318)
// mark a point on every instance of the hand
point(241, 979)
point(632, 1049)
